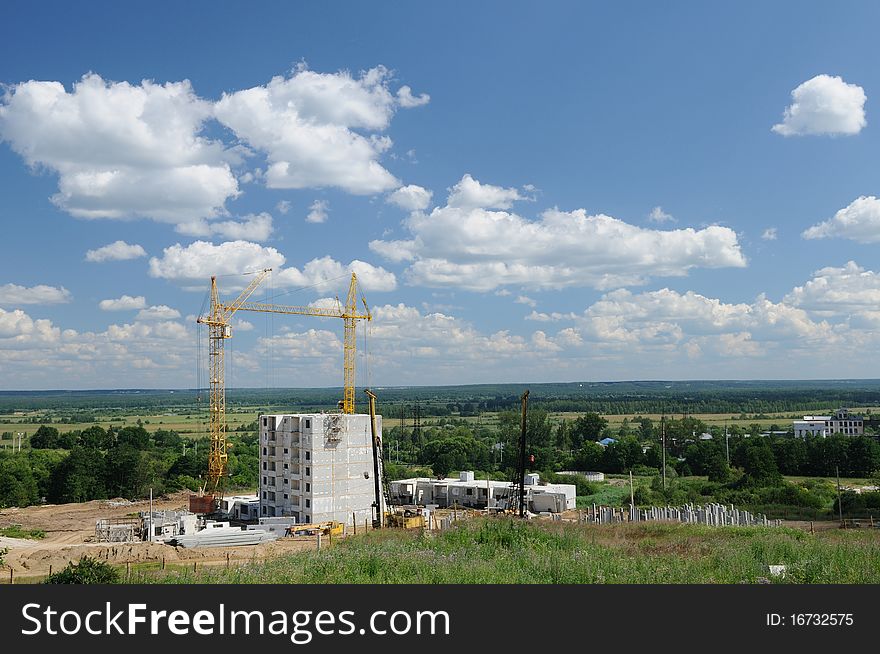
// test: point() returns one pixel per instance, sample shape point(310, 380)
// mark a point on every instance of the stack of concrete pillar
point(713, 515)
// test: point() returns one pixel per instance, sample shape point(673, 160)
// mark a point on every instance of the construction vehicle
point(219, 321)
point(405, 518)
point(331, 528)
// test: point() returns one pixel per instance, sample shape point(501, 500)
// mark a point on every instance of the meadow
point(501, 550)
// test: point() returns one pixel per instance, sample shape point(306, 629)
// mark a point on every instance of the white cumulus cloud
point(198, 261)
point(194, 264)
point(769, 234)
point(832, 290)
point(15, 295)
point(253, 227)
point(124, 303)
point(824, 105)
point(158, 312)
point(469, 193)
point(325, 273)
point(309, 127)
point(121, 150)
point(407, 100)
point(657, 215)
point(116, 251)
point(318, 211)
point(859, 221)
point(466, 245)
point(411, 198)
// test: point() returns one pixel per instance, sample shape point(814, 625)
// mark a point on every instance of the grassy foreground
point(495, 551)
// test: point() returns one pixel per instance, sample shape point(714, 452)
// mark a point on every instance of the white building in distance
point(842, 422)
point(317, 467)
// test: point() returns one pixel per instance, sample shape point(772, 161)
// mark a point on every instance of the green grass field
point(508, 551)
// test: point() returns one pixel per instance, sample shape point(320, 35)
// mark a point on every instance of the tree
point(791, 455)
point(457, 452)
point(646, 429)
point(167, 438)
point(587, 428)
point(18, 486)
point(716, 468)
point(126, 474)
point(539, 440)
point(136, 437)
point(623, 455)
point(758, 463)
point(863, 456)
point(45, 438)
point(79, 477)
point(563, 436)
point(589, 457)
point(95, 437)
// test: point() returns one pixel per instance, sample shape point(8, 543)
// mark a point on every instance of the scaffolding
point(118, 530)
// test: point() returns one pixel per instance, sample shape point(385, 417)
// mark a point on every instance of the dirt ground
point(70, 533)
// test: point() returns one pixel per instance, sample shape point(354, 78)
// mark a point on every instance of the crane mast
point(219, 329)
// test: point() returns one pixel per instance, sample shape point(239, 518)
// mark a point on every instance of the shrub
point(16, 531)
point(583, 487)
point(87, 571)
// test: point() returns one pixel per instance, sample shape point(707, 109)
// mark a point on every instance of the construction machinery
point(219, 329)
point(384, 514)
point(330, 528)
point(219, 321)
point(378, 468)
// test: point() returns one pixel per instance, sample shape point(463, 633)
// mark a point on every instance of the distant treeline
point(612, 398)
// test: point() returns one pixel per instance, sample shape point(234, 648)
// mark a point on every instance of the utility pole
point(727, 443)
point(663, 440)
point(839, 505)
point(521, 469)
point(417, 423)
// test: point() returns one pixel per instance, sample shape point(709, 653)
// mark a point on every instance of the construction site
point(321, 476)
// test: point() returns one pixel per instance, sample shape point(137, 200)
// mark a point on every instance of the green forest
point(463, 428)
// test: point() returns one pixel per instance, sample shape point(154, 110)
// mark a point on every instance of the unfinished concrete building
point(317, 467)
point(466, 491)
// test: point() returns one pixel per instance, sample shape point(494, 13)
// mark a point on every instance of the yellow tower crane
point(219, 323)
point(219, 329)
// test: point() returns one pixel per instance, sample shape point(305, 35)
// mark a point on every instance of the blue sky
point(529, 192)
